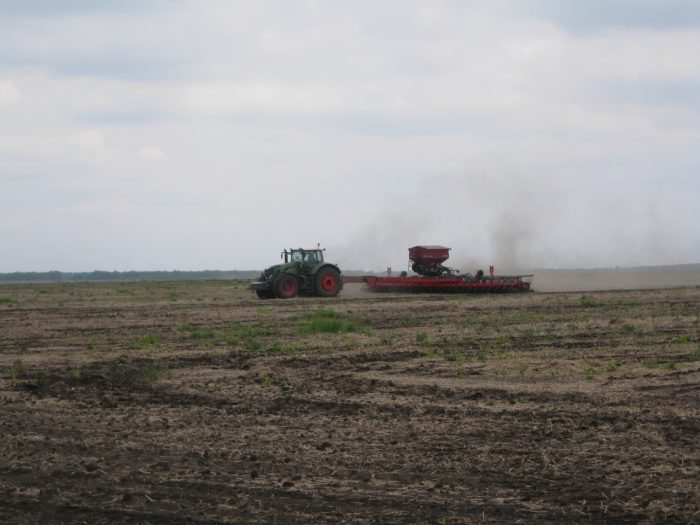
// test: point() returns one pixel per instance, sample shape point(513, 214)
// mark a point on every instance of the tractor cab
point(307, 257)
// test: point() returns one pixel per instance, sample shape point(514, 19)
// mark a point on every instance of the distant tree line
point(204, 275)
point(102, 276)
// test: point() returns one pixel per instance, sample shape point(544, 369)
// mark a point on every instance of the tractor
point(304, 272)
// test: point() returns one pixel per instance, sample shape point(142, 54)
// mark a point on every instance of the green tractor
point(304, 272)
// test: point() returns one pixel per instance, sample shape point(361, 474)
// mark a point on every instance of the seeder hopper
point(426, 261)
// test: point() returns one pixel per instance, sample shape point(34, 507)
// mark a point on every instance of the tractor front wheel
point(265, 294)
point(286, 286)
point(327, 282)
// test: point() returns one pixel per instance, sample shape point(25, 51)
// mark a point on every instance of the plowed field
point(196, 402)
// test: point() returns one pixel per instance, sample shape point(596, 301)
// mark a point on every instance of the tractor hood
point(279, 268)
point(271, 269)
point(267, 272)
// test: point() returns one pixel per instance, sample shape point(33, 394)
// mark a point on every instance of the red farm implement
point(433, 277)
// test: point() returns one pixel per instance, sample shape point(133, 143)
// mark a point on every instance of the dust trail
point(528, 219)
point(485, 220)
point(356, 290)
point(617, 279)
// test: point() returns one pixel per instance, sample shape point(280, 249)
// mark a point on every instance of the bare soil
point(196, 402)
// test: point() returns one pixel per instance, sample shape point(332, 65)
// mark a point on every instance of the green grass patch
point(502, 340)
point(253, 345)
point(8, 301)
point(499, 353)
point(197, 332)
point(351, 344)
point(148, 340)
point(431, 353)
point(627, 329)
point(455, 356)
point(17, 370)
point(329, 321)
point(279, 348)
point(628, 303)
point(244, 330)
point(695, 356)
point(247, 336)
point(587, 301)
point(126, 291)
point(421, 337)
point(413, 321)
point(527, 332)
point(682, 339)
point(522, 317)
point(444, 341)
point(151, 374)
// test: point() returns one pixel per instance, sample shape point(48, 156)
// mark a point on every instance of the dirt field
point(197, 403)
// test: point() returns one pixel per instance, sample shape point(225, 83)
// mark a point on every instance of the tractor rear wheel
point(327, 282)
point(286, 286)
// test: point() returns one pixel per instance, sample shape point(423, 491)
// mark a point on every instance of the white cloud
point(88, 139)
point(9, 93)
point(152, 153)
point(271, 98)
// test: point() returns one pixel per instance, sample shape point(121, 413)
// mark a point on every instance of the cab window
point(310, 257)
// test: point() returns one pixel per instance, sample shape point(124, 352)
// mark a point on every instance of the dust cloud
point(533, 220)
point(616, 278)
point(356, 290)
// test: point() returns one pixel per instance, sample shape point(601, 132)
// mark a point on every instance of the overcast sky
point(203, 134)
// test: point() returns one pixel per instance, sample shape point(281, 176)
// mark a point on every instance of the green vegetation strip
point(329, 321)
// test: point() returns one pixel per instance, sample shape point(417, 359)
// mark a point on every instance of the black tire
point(264, 294)
point(286, 286)
point(327, 283)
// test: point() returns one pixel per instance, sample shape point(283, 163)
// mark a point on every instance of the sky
point(190, 135)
